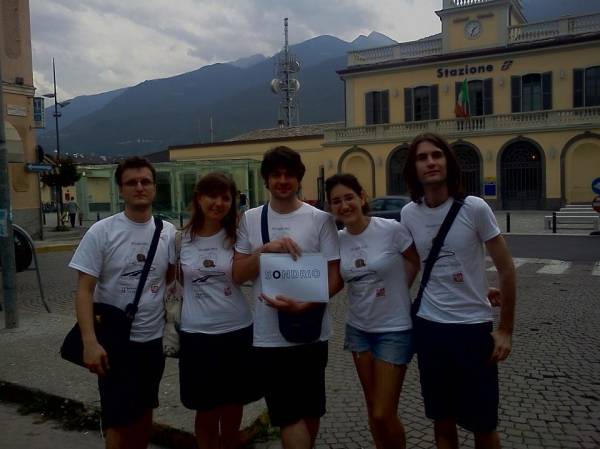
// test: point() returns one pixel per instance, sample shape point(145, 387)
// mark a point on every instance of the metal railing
point(516, 35)
point(461, 3)
point(407, 50)
point(489, 124)
point(553, 28)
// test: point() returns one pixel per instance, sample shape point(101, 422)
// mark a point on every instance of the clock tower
point(478, 24)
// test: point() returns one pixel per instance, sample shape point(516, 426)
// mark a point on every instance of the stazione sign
point(445, 72)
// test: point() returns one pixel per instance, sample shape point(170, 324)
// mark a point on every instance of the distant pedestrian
point(242, 202)
point(72, 209)
point(375, 253)
point(216, 320)
point(458, 349)
point(109, 261)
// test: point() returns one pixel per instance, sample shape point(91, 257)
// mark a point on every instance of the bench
point(569, 218)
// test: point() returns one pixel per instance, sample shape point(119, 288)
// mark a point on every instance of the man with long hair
point(458, 349)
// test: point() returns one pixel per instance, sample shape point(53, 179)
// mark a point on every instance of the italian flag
point(462, 103)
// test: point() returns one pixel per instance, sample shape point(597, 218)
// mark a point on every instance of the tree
point(65, 176)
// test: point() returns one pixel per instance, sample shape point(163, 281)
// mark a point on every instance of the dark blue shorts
point(294, 381)
point(457, 379)
point(131, 386)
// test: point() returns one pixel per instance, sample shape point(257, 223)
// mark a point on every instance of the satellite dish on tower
point(275, 86)
point(294, 85)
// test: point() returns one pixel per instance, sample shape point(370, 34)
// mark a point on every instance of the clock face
point(473, 29)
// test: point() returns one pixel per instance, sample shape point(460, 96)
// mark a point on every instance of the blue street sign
point(596, 186)
point(38, 168)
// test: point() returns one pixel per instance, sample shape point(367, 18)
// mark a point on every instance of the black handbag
point(438, 242)
point(112, 325)
point(303, 327)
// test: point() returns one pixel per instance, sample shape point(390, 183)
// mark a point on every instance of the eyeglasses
point(134, 182)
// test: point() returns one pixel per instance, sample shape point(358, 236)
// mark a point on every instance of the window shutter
point(408, 105)
point(433, 102)
point(369, 108)
point(547, 90)
point(488, 97)
point(515, 89)
point(578, 92)
point(385, 107)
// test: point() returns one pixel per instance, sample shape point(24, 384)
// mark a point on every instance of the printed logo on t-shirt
point(208, 263)
point(359, 263)
point(380, 292)
point(154, 288)
point(458, 277)
point(203, 276)
point(278, 232)
point(227, 291)
point(132, 271)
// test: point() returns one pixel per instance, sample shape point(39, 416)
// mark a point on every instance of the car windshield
point(377, 204)
point(395, 203)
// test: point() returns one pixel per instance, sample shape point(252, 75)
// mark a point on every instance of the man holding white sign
point(291, 327)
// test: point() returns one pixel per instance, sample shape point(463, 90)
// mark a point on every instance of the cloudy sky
point(101, 45)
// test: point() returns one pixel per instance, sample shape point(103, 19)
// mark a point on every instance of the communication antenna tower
point(285, 85)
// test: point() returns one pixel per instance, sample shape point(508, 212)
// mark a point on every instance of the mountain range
point(154, 114)
point(157, 113)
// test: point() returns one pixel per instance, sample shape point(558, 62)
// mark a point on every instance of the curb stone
point(75, 415)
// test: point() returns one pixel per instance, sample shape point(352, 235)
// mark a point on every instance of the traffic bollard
point(508, 222)
point(180, 220)
point(553, 222)
point(97, 216)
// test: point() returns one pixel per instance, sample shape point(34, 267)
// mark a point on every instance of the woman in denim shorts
point(378, 263)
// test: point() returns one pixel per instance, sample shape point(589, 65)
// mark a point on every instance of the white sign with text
point(304, 279)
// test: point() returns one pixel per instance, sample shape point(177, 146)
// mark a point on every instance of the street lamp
point(58, 189)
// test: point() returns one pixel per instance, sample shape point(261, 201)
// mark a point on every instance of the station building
point(531, 139)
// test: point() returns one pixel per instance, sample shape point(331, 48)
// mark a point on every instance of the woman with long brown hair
point(216, 321)
point(378, 264)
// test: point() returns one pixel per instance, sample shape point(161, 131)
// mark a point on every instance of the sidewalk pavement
point(33, 370)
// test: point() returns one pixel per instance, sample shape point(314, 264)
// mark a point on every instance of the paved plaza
point(550, 386)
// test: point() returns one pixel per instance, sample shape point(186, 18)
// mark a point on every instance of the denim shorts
point(394, 347)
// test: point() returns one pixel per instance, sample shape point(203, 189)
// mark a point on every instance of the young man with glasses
point(109, 261)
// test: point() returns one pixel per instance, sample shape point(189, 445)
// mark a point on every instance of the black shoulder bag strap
point(132, 308)
point(264, 224)
point(438, 242)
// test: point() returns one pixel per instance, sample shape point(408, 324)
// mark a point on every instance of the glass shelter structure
point(98, 193)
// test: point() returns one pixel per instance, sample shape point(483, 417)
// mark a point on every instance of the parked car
point(388, 206)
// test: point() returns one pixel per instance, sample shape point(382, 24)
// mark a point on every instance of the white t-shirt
point(372, 267)
point(113, 251)
point(457, 289)
point(314, 231)
point(212, 303)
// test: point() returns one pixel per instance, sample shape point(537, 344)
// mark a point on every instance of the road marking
point(556, 267)
point(518, 261)
point(550, 266)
